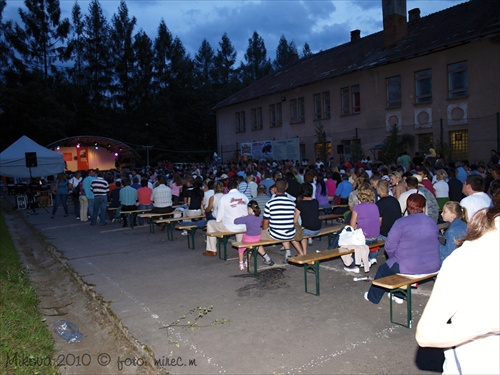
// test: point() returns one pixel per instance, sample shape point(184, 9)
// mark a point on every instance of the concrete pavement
point(269, 325)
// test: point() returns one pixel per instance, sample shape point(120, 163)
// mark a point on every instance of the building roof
point(461, 24)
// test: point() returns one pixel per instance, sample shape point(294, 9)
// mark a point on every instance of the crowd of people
point(400, 203)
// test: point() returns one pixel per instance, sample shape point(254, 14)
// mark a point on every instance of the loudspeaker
point(31, 160)
point(340, 149)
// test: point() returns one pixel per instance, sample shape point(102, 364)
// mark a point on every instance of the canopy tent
point(15, 158)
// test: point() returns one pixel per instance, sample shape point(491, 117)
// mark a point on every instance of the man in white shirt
point(231, 206)
point(476, 199)
point(412, 187)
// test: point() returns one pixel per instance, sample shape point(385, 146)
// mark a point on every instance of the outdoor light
point(116, 154)
point(58, 148)
point(78, 145)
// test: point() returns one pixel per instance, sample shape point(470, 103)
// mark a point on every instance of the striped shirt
point(99, 186)
point(280, 211)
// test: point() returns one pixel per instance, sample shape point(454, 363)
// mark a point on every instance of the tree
point(96, 55)
point(257, 64)
point(394, 145)
point(204, 64)
point(122, 56)
point(321, 143)
point(40, 42)
point(225, 75)
point(76, 46)
point(306, 50)
point(4, 47)
point(143, 69)
point(285, 53)
point(162, 58)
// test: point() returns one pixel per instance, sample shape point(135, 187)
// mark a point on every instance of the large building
point(436, 78)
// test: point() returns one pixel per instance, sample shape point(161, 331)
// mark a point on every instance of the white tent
point(13, 160)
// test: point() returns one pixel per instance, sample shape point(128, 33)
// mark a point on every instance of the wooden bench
point(402, 283)
point(331, 217)
point(311, 261)
point(222, 240)
point(191, 231)
point(130, 215)
point(170, 224)
point(152, 217)
point(251, 248)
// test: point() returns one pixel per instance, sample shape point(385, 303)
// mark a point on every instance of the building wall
point(475, 114)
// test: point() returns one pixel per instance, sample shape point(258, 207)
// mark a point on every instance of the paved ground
point(263, 325)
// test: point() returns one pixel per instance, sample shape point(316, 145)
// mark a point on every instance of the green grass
point(26, 344)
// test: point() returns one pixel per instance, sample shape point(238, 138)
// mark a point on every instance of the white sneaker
point(366, 296)
point(398, 300)
point(353, 269)
point(373, 261)
point(309, 241)
point(282, 248)
point(184, 233)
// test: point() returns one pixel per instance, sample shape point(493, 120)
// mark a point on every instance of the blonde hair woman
point(456, 215)
point(441, 188)
point(397, 184)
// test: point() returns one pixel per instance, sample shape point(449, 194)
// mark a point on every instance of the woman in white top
point(463, 312)
point(213, 201)
point(441, 188)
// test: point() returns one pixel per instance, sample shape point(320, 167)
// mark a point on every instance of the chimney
point(414, 15)
point(394, 17)
point(355, 35)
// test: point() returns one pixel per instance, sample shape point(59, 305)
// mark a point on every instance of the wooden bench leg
point(255, 253)
point(170, 230)
point(222, 242)
point(407, 293)
point(190, 237)
point(315, 269)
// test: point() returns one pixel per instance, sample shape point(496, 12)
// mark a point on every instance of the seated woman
point(308, 210)
point(462, 313)
point(412, 246)
point(321, 194)
point(397, 184)
point(365, 215)
point(456, 215)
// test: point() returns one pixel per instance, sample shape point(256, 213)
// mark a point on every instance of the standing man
point(88, 192)
point(100, 189)
point(278, 223)
point(476, 199)
point(231, 206)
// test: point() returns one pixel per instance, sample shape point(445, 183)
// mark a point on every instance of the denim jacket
point(457, 230)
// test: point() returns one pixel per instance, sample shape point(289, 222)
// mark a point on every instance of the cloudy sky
point(321, 23)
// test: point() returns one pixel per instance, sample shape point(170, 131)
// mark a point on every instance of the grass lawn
point(26, 344)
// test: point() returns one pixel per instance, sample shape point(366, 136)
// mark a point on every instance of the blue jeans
point(99, 208)
point(143, 207)
point(376, 293)
point(60, 198)
point(91, 206)
point(308, 232)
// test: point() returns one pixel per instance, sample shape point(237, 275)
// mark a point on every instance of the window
point(256, 118)
point(240, 122)
point(350, 100)
point(272, 116)
point(275, 115)
point(322, 150)
point(322, 105)
point(326, 104)
point(458, 86)
point(297, 110)
point(279, 115)
point(459, 144)
point(393, 92)
point(317, 106)
point(423, 86)
point(345, 102)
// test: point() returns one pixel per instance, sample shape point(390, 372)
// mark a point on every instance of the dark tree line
point(90, 76)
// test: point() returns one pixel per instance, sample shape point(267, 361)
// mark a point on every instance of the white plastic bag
point(351, 236)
